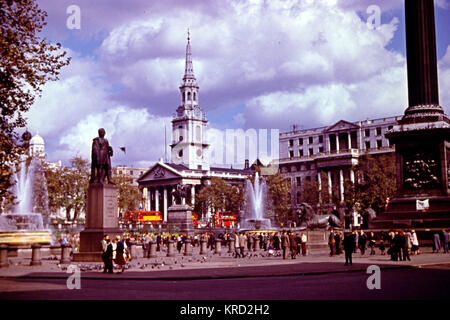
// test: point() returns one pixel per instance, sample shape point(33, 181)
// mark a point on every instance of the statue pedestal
point(180, 216)
point(101, 220)
point(423, 172)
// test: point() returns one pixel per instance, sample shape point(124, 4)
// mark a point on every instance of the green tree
point(129, 197)
point(219, 196)
point(279, 189)
point(27, 62)
point(67, 187)
point(375, 181)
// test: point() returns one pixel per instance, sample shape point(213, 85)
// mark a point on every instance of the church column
point(337, 142)
point(149, 199)
point(144, 198)
point(341, 184)
point(165, 203)
point(349, 140)
point(330, 186)
point(193, 195)
point(328, 143)
point(319, 179)
point(352, 176)
point(156, 199)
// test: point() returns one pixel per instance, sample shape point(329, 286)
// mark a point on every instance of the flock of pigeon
point(160, 263)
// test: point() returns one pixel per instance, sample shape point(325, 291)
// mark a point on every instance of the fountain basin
point(25, 237)
point(23, 229)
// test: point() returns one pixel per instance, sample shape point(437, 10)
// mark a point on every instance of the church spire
point(189, 78)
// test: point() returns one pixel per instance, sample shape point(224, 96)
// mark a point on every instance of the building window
point(131, 172)
point(308, 166)
point(291, 143)
point(379, 144)
point(308, 178)
point(320, 139)
point(379, 131)
point(320, 149)
point(310, 140)
point(311, 151)
point(300, 141)
point(120, 171)
point(298, 181)
point(367, 144)
point(390, 127)
point(300, 153)
point(291, 154)
point(367, 133)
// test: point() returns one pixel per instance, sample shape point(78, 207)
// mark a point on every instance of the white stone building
point(308, 154)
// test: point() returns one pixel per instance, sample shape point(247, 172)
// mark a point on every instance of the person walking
point(436, 243)
point(356, 238)
point(242, 243)
point(371, 240)
point(404, 246)
point(105, 243)
point(298, 238)
point(120, 254)
point(445, 240)
point(237, 246)
point(331, 242)
point(304, 242)
point(293, 244)
point(349, 244)
point(415, 243)
point(337, 242)
point(109, 253)
point(362, 240)
point(285, 245)
point(276, 242)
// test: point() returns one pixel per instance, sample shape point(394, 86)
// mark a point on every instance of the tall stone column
point(349, 140)
point(422, 137)
point(341, 184)
point(149, 200)
point(337, 142)
point(423, 96)
point(156, 199)
point(319, 180)
point(330, 185)
point(165, 203)
point(352, 176)
point(193, 195)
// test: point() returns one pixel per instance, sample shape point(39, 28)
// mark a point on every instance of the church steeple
point(189, 141)
point(189, 87)
point(189, 77)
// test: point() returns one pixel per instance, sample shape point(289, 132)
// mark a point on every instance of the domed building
point(37, 146)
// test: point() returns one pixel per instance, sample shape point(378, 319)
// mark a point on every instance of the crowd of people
point(399, 244)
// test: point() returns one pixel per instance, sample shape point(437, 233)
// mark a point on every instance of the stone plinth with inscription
point(101, 219)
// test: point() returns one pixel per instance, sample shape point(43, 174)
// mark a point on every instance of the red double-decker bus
point(226, 219)
point(144, 217)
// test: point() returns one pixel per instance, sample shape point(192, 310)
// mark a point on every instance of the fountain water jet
point(256, 200)
point(23, 226)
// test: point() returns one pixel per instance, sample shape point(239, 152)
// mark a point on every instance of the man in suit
point(285, 245)
point(349, 246)
point(293, 244)
point(109, 256)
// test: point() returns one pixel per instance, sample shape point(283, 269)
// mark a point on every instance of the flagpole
point(165, 144)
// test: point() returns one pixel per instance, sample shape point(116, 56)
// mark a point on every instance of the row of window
point(298, 167)
point(368, 145)
point(310, 140)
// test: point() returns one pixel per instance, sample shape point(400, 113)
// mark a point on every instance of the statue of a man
point(101, 159)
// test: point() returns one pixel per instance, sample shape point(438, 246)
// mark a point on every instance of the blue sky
point(259, 64)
